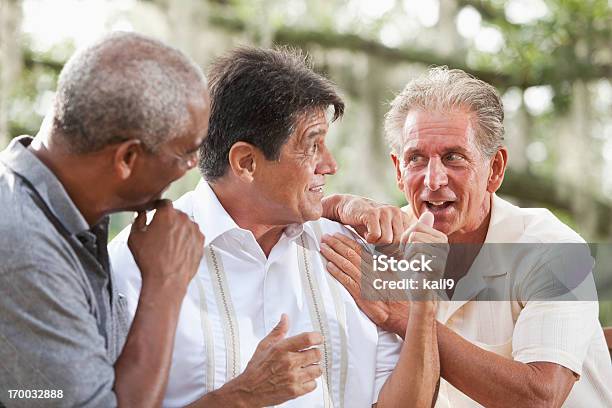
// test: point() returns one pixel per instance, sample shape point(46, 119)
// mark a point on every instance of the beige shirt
point(562, 332)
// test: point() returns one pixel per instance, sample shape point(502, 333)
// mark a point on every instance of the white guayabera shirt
point(238, 296)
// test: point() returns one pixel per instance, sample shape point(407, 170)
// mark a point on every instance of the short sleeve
point(555, 331)
point(125, 271)
point(560, 313)
point(387, 356)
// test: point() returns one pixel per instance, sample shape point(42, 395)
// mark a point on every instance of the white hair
point(125, 86)
point(447, 90)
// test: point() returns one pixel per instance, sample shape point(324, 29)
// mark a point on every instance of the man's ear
point(497, 170)
point(398, 171)
point(124, 158)
point(243, 160)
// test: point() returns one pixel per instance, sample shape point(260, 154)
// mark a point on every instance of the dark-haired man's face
point(291, 187)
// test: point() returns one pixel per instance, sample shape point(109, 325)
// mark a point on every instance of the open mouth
point(316, 189)
point(437, 205)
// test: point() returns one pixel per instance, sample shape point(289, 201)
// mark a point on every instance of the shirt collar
point(504, 225)
point(23, 162)
point(214, 220)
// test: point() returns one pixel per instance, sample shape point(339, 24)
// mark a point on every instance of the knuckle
point(311, 386)
point(350, 253)
point(345, 264)
point(294, 390)
point(310, 338)
point(314, 338)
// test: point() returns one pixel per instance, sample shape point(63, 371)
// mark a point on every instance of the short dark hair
point(257, 96)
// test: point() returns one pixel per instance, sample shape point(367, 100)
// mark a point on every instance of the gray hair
point(445, 90)
point(125, 86)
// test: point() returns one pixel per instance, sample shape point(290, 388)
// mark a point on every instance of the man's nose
point(436, 174)
point(327, 164)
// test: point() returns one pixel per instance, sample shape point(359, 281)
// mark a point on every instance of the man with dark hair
point(129, 116)
point(265, 163)
point(286, 95)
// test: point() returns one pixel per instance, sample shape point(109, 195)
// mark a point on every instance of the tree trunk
point(10, 60)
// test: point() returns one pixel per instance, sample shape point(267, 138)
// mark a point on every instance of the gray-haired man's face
point(441, 170)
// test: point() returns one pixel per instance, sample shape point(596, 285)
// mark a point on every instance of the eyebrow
point(312, 134)
point(450, 149)
point(197, 147)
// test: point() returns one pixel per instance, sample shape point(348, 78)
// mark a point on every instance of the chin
point(312, 214)
point(146, 206)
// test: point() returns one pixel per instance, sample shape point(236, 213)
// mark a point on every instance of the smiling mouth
point(317, 189)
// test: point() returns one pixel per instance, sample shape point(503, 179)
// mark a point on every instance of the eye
point(415, 160)
point(314, 148)
point(453, 157)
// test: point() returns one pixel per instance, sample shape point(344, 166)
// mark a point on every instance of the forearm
point(485, 376)
point(141, 372)
point(416, 375)
point(230, 395)
point(495, 381)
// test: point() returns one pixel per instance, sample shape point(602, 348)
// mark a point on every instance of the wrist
point(169, 290)
point(423, 309)
point(232, 395)
point(399, 328)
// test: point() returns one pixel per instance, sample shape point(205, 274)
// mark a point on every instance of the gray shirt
point(62, 322)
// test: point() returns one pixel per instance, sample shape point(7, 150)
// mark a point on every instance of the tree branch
point(328, 39)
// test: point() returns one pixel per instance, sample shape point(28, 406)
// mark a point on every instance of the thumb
point(277, 333)
point(373, 229)
point(427, 218)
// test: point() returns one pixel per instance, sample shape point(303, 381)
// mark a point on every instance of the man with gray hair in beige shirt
point(446, 132)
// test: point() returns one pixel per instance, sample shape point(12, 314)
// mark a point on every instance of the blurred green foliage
point(349, 41)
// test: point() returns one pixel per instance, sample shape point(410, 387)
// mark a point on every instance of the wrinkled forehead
point(311, 123)
point(430, 129)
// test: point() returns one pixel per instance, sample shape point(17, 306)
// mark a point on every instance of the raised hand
point(351, 265)
point(379, 224)
point(423, 239)
point(281, 368)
